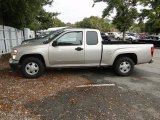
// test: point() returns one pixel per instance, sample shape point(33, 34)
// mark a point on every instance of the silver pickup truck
point(78, 48)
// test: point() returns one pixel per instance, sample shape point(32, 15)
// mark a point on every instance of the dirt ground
point(54, 96)
point(15, 91)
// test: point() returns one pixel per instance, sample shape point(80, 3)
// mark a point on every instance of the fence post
point(16, 36)
point(10, 38)
point(24, 35)
point(4, 39)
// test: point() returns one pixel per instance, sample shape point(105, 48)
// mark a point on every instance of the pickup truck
point(77, 47)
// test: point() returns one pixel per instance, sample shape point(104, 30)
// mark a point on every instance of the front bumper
point(13, 63)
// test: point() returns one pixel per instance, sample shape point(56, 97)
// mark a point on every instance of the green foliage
point(126, 13)
point(45, 19)
point(26, 13)
point(57, 22)
point(138, 28)
point(153, 25)
point(70, 25)
point(152, 14)
point(95, 23)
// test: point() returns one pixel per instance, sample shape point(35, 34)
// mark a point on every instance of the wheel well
point(130, 55)
point(32, 55)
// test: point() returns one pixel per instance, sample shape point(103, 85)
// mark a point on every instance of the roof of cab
point(76, 29)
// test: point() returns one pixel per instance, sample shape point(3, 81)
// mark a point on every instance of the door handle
point(78, 48)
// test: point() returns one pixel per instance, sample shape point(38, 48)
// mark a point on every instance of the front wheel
point(124, 66)
point(32, 67)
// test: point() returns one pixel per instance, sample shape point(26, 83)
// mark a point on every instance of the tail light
point(152, 51)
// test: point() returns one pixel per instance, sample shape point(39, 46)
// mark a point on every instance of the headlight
point(14, 53)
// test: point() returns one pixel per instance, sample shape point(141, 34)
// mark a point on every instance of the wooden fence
point(10, 37)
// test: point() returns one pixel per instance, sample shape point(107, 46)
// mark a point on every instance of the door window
point(71, 38)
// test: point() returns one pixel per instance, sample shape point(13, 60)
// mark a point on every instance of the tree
point(139, 27)
point(126, 13)
point(57, 22)
point(70, 25)
point(43, 20)
point(153, 26)
point(152, 14)
point(26, 13)
point(95, 23)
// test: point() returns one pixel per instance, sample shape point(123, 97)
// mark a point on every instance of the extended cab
point(78, 48)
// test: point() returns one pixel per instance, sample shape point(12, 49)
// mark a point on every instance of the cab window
point(91, 38)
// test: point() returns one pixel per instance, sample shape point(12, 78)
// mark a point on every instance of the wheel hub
point(125, 67)
point(32, 68)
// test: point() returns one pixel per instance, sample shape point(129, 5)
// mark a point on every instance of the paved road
point(133, 98)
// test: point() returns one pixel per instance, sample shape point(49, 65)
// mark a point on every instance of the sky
point(75, 10)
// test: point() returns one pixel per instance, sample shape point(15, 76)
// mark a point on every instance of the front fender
point(33, 50)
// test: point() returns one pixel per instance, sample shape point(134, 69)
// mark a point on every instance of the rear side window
point(92, 38)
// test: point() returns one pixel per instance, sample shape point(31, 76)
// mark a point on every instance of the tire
point(13, 68)
point(32, 67)
point(124, 66)
point(130, 39)
point(118, 38)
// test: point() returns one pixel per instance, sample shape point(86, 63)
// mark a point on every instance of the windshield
point(40, 35)
point(53, 35)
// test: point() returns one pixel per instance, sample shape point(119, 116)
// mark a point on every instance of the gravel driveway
point(55, 95)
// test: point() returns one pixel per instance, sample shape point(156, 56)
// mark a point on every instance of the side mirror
point(54, 44)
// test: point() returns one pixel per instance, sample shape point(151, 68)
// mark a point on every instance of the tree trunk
point(124, 32)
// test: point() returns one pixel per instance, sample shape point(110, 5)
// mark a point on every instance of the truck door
point(93, 48)
point(69, 50)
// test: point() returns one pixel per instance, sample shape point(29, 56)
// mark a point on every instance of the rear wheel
point(32, 67)
point(124, 66)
